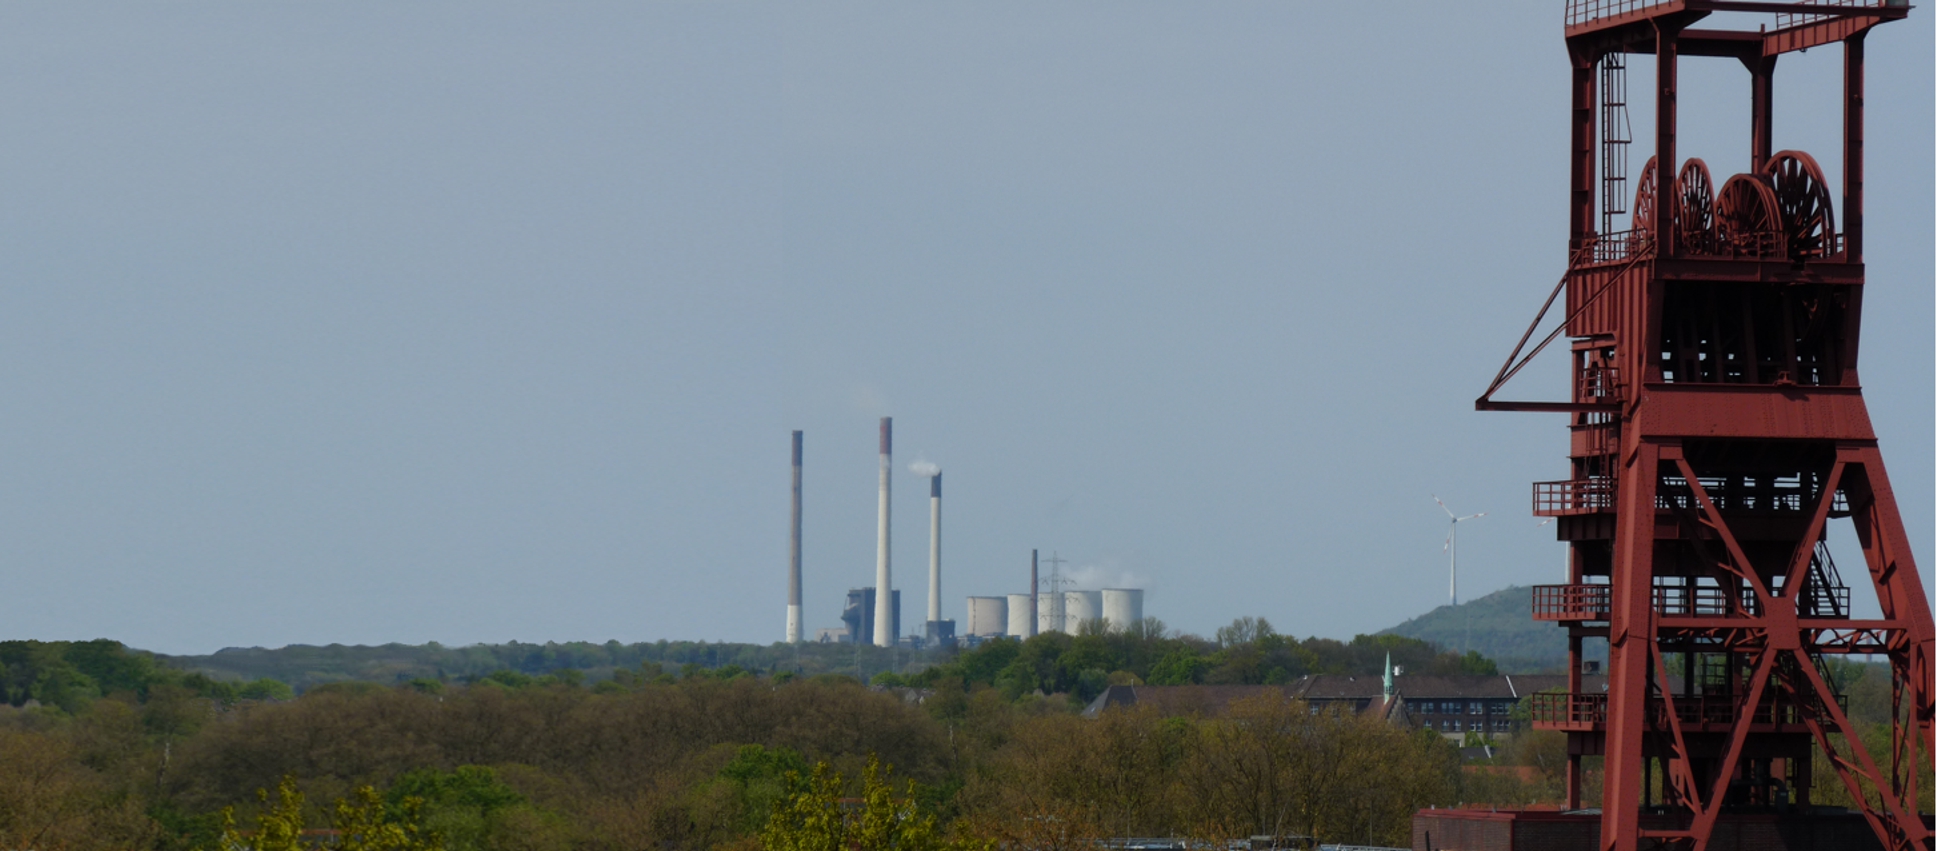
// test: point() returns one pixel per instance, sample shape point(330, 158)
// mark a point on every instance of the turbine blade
point(1442, 507)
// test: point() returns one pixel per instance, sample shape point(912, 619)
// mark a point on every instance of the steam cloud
point(925, 468)
point(1093, 577)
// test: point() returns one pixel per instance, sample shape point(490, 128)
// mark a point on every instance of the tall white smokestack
point(793, 556)
point(883, 594)
point(935, 547)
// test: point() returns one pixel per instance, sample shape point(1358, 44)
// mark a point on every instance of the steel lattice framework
point(1718, 430)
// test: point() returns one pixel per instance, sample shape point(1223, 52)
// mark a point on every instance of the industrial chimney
point(937, 632)
point(793, 556)
point(935, 547)
point(884, 635)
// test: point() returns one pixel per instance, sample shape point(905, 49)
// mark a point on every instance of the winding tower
point(1718, 431)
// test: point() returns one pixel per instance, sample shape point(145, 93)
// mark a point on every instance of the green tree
point(463, 807)
point(813, 817)
point(810, 817)
point(364, 823)
point(266, 689)
point(1244, 630)
point(279, 828)
point(1179, 667)
point(759, 776)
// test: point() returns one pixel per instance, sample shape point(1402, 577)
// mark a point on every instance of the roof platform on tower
point(1771, 29)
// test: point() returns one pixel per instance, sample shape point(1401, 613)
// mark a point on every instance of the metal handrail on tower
point(1588, 11)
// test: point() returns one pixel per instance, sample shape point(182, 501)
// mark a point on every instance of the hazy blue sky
point(365, 322)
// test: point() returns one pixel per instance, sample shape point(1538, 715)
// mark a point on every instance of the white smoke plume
point(925, 468)
point(1096, 577)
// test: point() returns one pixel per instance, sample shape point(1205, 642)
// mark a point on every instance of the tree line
point(984, 751)
point(101, 747)
point(1247, 652)
point(700, 762)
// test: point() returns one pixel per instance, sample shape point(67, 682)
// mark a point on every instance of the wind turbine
point(1452, 549)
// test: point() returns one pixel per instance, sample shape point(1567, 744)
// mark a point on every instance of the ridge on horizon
point(1499, 626)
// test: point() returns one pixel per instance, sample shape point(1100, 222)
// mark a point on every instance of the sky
point(365, 322)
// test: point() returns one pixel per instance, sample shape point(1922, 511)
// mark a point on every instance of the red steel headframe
point(1718, 430)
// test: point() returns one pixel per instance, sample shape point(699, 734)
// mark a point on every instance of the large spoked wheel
point(1643, 220)
point(1746, 218)
point(1803, 202)
point(1695, 216)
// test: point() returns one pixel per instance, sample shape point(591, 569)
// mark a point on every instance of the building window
point(1475, 708)
point(1501, 725)
point(1449, 726)
point(1502, 707)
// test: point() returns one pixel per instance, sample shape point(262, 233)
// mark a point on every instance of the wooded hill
point(1499, 626)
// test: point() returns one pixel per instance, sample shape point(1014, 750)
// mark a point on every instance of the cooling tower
point(1049, 612)
point(1122, 607)
point(1080, 606)
point(988, 616)
point(1021, 609)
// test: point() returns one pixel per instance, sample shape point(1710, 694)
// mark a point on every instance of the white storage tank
point(1080, 606)
point(1019, 615)
point(988, 616)
point(1122, 607)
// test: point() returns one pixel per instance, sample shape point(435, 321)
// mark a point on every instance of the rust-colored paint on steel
point(1717, 430)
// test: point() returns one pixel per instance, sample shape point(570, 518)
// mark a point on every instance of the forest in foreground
point(101, 747)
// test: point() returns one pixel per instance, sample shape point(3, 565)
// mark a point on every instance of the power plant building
point(860, 616)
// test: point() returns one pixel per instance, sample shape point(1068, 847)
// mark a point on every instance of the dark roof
point(1214, 700)
point(1390, 711)
point(1180, 700)
point(1338, 687)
